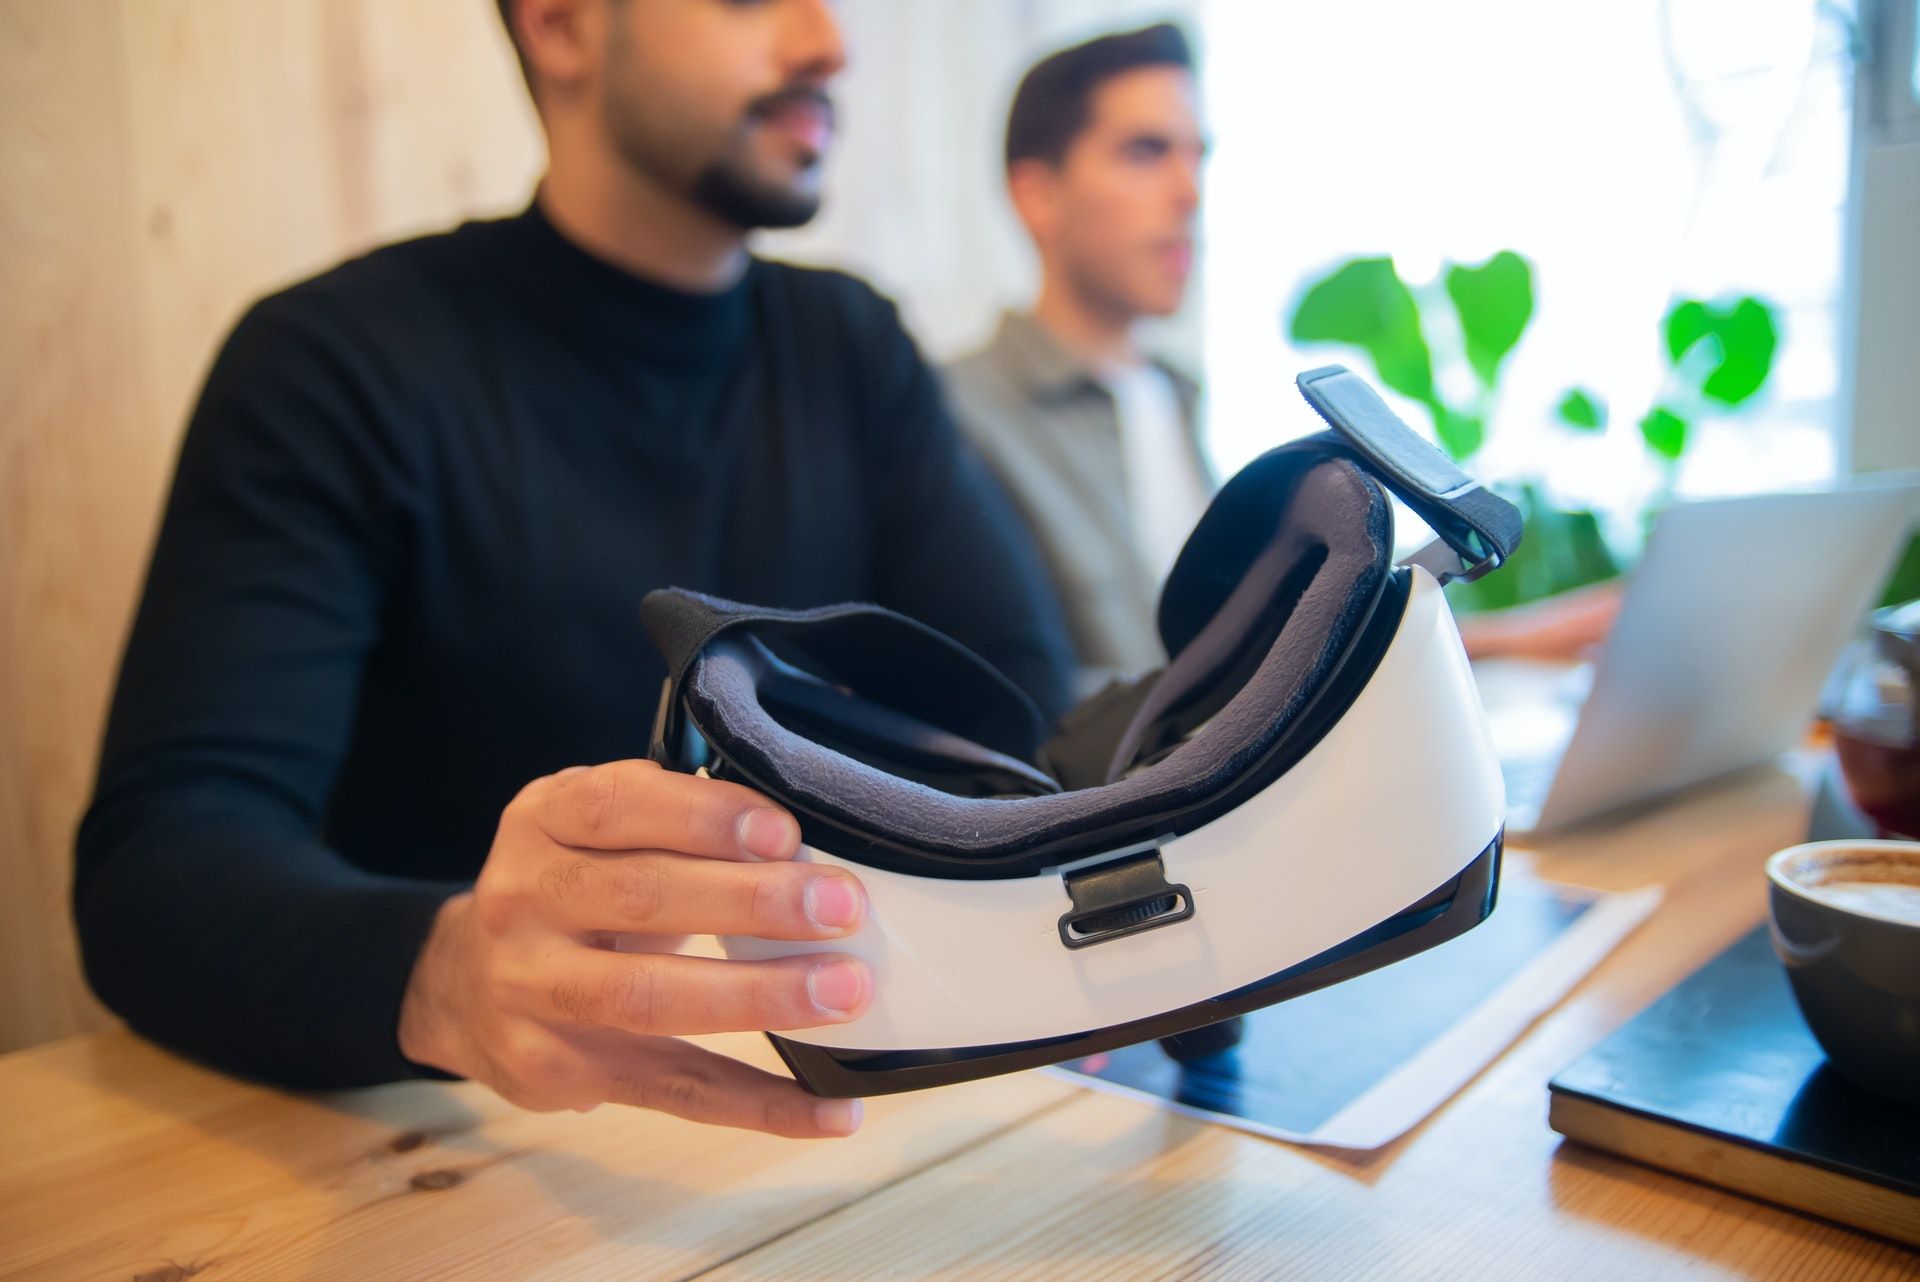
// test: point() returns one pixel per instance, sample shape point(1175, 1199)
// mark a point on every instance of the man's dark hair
point(1051, 106)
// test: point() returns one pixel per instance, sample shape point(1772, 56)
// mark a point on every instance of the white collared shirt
point(1166, 492)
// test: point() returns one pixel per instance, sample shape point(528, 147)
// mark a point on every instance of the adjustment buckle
point(1125, 897)
point(1446, 563)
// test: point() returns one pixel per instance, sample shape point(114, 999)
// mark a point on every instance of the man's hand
point(554, 981)
point(1555, 629)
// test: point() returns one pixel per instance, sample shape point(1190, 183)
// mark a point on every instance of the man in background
point(369, 805)
point(1094, 436)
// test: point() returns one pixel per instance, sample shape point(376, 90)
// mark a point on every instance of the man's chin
point(1162, 305)
point(750, 202)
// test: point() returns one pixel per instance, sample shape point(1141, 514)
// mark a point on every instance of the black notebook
point(1720, 1080)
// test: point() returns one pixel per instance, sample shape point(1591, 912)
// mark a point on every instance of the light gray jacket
point(1051, 433)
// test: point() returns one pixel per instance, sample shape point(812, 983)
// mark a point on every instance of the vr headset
point(1306, 792)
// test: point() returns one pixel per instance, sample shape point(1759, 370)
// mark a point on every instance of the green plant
point(1364, 303)
point(1904, 583)
point(1719, 357)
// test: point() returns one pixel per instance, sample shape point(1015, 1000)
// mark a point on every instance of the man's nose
point(1186, 186)
point(815, 49)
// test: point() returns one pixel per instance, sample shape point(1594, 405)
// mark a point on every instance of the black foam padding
point(836, 717)
point(1251, 511)
point(1324, 503)
point(891, 659)
point(1222, 656)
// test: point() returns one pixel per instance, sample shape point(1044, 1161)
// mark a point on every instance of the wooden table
point(121, 1161)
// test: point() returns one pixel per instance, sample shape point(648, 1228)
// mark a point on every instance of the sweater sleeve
point(953, 550)
point(212, 914)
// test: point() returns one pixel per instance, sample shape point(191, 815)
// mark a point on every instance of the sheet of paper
point(1356, 1065)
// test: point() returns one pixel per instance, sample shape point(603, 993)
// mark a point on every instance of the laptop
point(1737, 612)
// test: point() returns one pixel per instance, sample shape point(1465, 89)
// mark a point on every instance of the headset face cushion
point(1311, 535)
point(898, 741)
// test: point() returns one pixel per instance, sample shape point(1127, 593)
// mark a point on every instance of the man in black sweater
point(367, 804)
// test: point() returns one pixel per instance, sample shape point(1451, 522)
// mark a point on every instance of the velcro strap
point(1479, 525)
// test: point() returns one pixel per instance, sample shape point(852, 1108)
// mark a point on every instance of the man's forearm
point(253, 949)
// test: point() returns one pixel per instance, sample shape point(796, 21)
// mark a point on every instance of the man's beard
point(727, 187)
point(727, 191)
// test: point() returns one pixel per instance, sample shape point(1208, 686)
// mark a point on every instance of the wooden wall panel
point(69, 350)
point(163, 162)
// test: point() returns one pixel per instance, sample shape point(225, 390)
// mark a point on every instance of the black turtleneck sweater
point(399, 577)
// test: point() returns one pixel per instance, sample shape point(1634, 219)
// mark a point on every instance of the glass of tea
point(1876, 721)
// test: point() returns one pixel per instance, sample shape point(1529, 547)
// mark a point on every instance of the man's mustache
point(793, 95)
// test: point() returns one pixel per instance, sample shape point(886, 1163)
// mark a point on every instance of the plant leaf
point(1748, 339)
point(1578, 408)
point(1495, 302)
point(1665, 432)
point(1687, 324)
point(1364, 303)
point(1745, 337)
point(1461, 435)
point(1904, 583)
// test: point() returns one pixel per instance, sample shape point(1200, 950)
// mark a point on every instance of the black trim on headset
point(1350, 673)
point(1462, 903)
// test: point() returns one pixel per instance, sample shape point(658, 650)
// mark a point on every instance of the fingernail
point(831, 902)
point(838, 1116)
point(569, 771)
point(768, 834)
point(837, 986)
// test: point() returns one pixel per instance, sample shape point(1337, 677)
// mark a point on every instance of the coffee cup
point(1846, 925)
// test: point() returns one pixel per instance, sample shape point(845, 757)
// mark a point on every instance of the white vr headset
point(1307, 790)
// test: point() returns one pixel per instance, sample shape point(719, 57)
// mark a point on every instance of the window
point(1633, 151)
